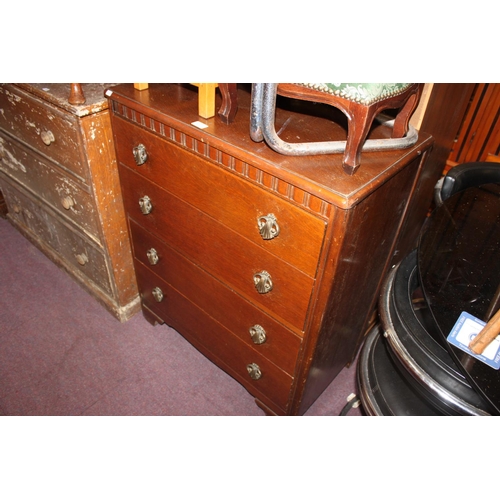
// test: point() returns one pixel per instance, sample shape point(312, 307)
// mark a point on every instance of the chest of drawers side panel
point(105, 183)
point(365, 238)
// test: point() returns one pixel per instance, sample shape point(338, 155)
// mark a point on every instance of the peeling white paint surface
point(9, 159)
point(13, 99)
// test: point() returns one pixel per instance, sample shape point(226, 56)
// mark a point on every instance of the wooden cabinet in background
point(59, 179)
point(270, 265)
point(479, 136)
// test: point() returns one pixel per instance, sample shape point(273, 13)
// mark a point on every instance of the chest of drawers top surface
point(176, 105)
point(58, 95)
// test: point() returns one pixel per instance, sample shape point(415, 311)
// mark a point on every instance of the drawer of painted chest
point(235, 202)
point(38, 175)
point(251, 325)
point(222, 252)
point(83, 258)
point(46, 128)
point(213, 339)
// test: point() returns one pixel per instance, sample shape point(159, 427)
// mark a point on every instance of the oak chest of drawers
point(59, 179)
point(269, 265)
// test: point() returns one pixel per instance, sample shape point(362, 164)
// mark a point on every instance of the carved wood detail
point(251, 173)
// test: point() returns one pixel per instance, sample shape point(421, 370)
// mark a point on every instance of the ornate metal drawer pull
point(47, 137)
point(268, 226)
point(82, 259)
point(140, 154)
point(263, 282)
point(258, 334)
point(157, 294)
point(153, 256)
point(146, 205)
point(254, 371)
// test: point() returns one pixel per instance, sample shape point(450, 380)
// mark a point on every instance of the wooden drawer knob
point(47, 137)
point(67, 202)
point(263, 282)
point(82, 259)
point(258, 334)
point(268, 226)
point(254, 371)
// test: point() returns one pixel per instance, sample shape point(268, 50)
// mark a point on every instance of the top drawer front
point(52, 132)
point(203, 185)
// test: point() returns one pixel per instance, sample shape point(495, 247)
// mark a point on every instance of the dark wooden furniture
point(479, 135)
point(270, 265)
point(360, 103)
point(229, 106)
point(59, 179)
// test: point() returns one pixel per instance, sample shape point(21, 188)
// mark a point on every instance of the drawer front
point(270, 338)
point(219, 250)
point(80, 256)
point(37, 174)
point(233, 201)
point(51, 131)
point(213, 339)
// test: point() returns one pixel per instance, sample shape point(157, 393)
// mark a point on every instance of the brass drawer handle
point(140, 154)
point(268, 226)
point(263, 282)
point(47, 137)
point(67, 202)
point(258, 334)
point(146, 205)
point(254, 371)
point(82, 259)
point(157, 294)
point(153, 256)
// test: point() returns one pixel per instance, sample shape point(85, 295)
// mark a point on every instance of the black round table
point(458, 260)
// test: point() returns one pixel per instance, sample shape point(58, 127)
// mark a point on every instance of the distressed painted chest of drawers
point(269, 265)
point(59, 179)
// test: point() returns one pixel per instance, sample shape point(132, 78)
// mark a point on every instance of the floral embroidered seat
point(360, 102)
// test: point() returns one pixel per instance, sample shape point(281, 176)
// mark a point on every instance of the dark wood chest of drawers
point(60, 182)
point(269, 265)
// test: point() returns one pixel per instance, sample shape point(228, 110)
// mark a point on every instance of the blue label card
point(465, 329)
